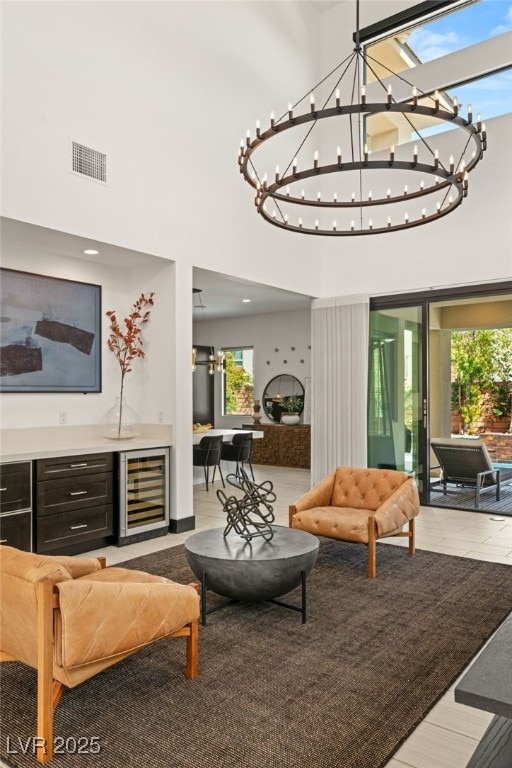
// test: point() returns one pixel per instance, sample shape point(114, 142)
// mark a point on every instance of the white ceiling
point(221, 294)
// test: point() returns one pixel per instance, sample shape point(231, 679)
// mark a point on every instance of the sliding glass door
point(396, 401)
point(413, 373)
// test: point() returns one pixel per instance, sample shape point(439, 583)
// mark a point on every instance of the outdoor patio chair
point(466, 462)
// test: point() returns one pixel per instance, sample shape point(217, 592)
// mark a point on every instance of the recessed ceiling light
point(91, 252)
point(246, 301)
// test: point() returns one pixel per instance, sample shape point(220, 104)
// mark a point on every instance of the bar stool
point(239, 450)
point(207, 454)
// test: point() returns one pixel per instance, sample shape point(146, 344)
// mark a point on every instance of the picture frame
point(50, 334)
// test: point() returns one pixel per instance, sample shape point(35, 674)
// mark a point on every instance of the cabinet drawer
point(55, 531)
point(15, 530)
point(72, 466)
point(66, 494)
point(15, 486)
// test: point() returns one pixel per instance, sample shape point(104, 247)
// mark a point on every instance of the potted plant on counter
point(293, 406)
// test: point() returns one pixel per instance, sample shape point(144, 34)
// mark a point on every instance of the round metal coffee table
point(256, 570)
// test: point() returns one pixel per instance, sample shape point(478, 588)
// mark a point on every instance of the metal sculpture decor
point(250, 515)
point(438, 183)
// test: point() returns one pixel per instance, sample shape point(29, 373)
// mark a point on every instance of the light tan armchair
point(361, 505)
point(70, 618)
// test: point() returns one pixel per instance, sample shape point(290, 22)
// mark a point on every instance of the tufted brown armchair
point(70, 618)
point(359, 504)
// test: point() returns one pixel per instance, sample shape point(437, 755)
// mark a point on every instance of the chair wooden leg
point(412, 531)
point(44, 744)
point(372, 548)
point(192, 650)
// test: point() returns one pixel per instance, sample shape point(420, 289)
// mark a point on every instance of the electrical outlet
point(160, 417)
point(63, 417)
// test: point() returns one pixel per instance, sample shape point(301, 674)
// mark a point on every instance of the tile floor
point(447, 737)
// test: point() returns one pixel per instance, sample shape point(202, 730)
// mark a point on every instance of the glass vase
point(120, 421)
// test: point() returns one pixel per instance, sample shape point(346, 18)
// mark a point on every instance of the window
point(407, 47)
point(238, 381)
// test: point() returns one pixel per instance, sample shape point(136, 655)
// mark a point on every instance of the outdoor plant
point(238, 384)
point(127, 343)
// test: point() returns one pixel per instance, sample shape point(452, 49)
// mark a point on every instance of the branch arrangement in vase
point(127, 345)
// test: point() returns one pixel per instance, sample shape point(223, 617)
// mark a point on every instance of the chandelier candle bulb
point(370, 224)
point(406, 218)
point(360, 156)
point(265, 181)
point(438, 207)
point(286, 218)
point(300, 223)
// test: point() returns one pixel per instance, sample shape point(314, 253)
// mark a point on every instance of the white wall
point(265, 333)
point(147, 387)
point(166, 90)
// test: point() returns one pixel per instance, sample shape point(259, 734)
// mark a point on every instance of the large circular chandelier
point(413, 183)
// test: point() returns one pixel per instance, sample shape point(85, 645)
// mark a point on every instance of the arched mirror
point(283, 394)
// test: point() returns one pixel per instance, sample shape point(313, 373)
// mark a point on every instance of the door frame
point(423, 299)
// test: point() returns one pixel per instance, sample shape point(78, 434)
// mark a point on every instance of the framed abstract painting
point(50, 334)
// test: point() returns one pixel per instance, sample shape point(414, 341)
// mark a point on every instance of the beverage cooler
point(143, 495)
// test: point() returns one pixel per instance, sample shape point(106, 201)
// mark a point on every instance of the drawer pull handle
point(3, 489)
point(74, 466)
point(76, 527)
point(77, 493)
point(3, 541)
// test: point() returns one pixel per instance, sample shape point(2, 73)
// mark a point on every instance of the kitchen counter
point(43, 442)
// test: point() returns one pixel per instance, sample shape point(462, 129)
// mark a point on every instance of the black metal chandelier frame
point(451, 178)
